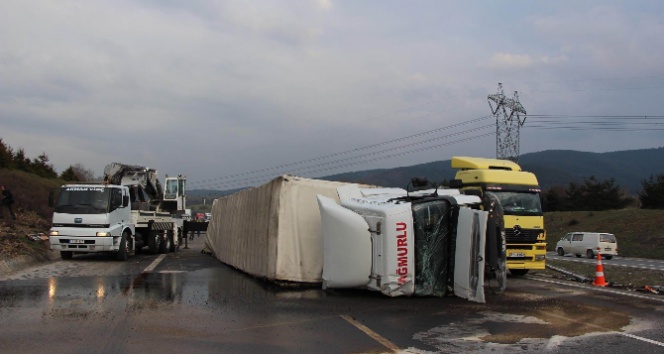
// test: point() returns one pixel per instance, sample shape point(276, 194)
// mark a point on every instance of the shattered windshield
point(83, 200)
point(520, 203)
point(432, 243)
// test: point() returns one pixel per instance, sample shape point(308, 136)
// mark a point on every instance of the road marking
point(377, 337)
point(610, 331)
point(154, 264)
point(594, 288)
point(642, 339)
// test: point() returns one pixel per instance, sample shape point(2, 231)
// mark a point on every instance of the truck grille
point(521, 235)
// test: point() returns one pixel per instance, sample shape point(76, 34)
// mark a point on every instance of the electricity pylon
point(507, 124)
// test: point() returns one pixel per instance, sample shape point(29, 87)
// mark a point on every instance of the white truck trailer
point(342, 235)
point(126, 212)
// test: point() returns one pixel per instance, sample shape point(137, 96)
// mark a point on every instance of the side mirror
point(51, 198)
point(456, 183)
point(125, 201)
point(419, 182)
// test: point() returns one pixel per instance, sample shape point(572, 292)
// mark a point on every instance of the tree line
point(596, 195)
point(40, 166)
point(591, 195)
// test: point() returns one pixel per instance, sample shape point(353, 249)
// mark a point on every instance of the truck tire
point(165, 244)
point(154, 242)
point(123, 251)
point(590, 254)
point(561, 251)
point(66, 254)
point(175, 244)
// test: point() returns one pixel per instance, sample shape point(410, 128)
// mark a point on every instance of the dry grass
point(639, 231)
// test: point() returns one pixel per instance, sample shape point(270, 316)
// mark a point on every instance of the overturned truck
point(425, 243)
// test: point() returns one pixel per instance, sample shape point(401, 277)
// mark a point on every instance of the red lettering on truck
point(402, 252)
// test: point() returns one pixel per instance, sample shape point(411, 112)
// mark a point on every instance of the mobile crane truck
point(519, 195)
point(129, 210)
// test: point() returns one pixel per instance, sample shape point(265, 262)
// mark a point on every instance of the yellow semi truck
point(519, 194)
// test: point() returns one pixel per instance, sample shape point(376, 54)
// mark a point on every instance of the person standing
point(7, 201)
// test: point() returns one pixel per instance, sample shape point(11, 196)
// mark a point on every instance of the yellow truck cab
point(519, 194)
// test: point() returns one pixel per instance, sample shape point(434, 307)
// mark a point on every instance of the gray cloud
point(217, 88)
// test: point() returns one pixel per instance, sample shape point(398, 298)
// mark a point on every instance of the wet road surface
point(190, 302)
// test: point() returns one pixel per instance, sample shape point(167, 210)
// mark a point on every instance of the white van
point(588, 244)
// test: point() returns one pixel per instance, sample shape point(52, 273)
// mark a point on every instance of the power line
point(343, 153)
point(387, 149)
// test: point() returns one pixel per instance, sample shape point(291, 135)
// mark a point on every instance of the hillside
point(639, 231)
point(25, 237)
point(552, 167)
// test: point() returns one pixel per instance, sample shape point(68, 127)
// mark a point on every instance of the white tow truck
point(402, 243)
point(126, 212)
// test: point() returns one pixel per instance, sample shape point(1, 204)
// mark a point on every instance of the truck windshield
point(432, 238)
point(520, 203)
point(171, 191)
point(83, 200)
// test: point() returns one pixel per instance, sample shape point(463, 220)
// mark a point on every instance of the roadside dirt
point(25, 238)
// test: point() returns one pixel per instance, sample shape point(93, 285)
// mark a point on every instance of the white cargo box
point(272, 231)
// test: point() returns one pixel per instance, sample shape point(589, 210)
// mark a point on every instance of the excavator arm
point(133, 175)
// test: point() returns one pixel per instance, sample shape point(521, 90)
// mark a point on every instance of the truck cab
point(92, 218)
point(519, 195)
point(402, 244)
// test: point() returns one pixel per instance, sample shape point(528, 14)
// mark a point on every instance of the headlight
point(103, 234)
point(54, 233)
point(540, 257)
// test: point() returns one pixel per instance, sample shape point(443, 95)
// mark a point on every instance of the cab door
point(469, 255)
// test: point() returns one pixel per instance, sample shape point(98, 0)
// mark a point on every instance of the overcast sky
point(240, 91)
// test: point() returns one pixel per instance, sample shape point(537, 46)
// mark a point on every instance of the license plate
point(517, 254)
point(76, 241)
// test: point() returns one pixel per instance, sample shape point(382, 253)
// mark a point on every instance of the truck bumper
point(85, 244)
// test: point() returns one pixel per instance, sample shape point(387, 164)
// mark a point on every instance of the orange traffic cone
point(599, 273)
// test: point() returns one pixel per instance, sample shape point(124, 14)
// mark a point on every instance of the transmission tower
point(508, 121)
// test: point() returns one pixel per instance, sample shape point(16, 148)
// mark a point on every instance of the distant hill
point(552, 168)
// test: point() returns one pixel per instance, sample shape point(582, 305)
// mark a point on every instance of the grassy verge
point(631, 277)
point(639, 231)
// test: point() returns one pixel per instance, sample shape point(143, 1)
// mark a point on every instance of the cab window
point(607, 238)
point(116, 198)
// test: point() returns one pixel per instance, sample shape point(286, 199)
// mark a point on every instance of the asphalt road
point(641, 263)
point(190, 302)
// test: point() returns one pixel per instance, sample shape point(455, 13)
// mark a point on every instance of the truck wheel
point(66, 254)
point(165, 245)
point(561, 251)
point(123, 252)
point(175, 244)
point(519, 272)
point(590, 254)
point(154, 242)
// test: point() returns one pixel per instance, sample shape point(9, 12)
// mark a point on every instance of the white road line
point(642, 339)
point(377, 337)
point(600, 289)
point(154, 264)
point(610, 331)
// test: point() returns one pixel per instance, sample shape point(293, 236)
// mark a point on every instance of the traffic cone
point(599, 273)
